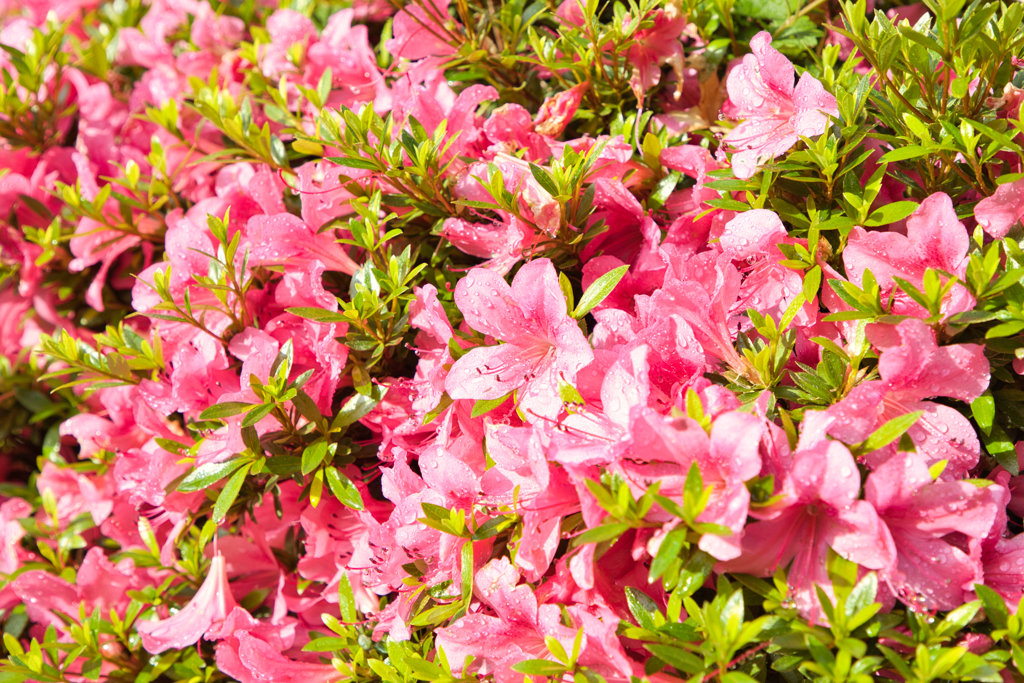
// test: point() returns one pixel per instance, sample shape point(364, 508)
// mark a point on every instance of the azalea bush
point(409, 340)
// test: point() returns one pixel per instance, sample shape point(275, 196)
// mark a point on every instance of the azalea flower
point(930, 572)
point(774, 113)
point(543, 344)
point(914, 368)
point(935, 239)
point(284, 238)
point(1000, 212)
point(819, 510)
point(207, 609)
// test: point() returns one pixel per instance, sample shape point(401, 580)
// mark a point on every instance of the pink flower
point(248, 658)
point(703, 291)
point(511, 628)
point(77, 492)
point(820, 510)
point(501, 243)
point(774, 113)
point(99, 584)
point(419, 31)
point(931, 573)
point(11, 533)
point(1000, 212)
point(727, 458)
point(935, 239)
point(768, 287)
point(544, 346)
point(284, 238)
point(655, 46)
point(207, 609)
point(557, 111)
point(914, 368)
point(1004, 569)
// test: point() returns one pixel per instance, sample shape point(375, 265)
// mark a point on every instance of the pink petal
point(489, 306)
point(752, 234)
point(536, 290)
point(917, 368)
point(251, 659)
point(811, 96)
point(208, 608)
point(1000, 212)
point(939, 238)
point(490, 372)
point(287, 27)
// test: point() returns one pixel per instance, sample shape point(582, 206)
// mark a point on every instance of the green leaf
point(424, 670)
point(599, 534)
point(355, 162)
point(569, 394)
point(493, 527)
point(441, 406)
point(1001, 447)
point(347, 600)
point(862, 596)
point(995, 606)
point(343, 489)
point(229, 409)
point(1006, 329)
point(890, 213)
point(695, 573)
point(207, 474)
point(984, 410)
point(544, 179)
point(315, 453)
point(307, 407)
point(642, 608)
point(539, 667)
point(253, 417)
point(484, 407)
point(669, 550)
point(890, 431)
point(318, 315)
point(228, 494)
point(148, 537)
point(357, 407)
point(599, 290)
point(677, 657)
point(904, 153)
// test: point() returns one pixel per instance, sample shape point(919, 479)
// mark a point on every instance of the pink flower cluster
point(569, 402)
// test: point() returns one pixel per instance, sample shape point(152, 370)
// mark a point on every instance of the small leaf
point(228, 409)
point(599, 534)
point(493, 527)
point(358, 407)
point(229, 493)
point(314, 454)
point(643, 608)
point(207, 474)
point(343, 489)
point(544, 179)
point(599, 290)
point(318, 315)
point(355, 162)
point(984, 410)
point(904, 153)
point(484, 407)
point(995, 606)
point(890, 431)
point(891, 213)
point(539, 667)
point(685, 662)
point(253, 417)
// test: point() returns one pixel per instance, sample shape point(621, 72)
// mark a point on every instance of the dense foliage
point(639, 340)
